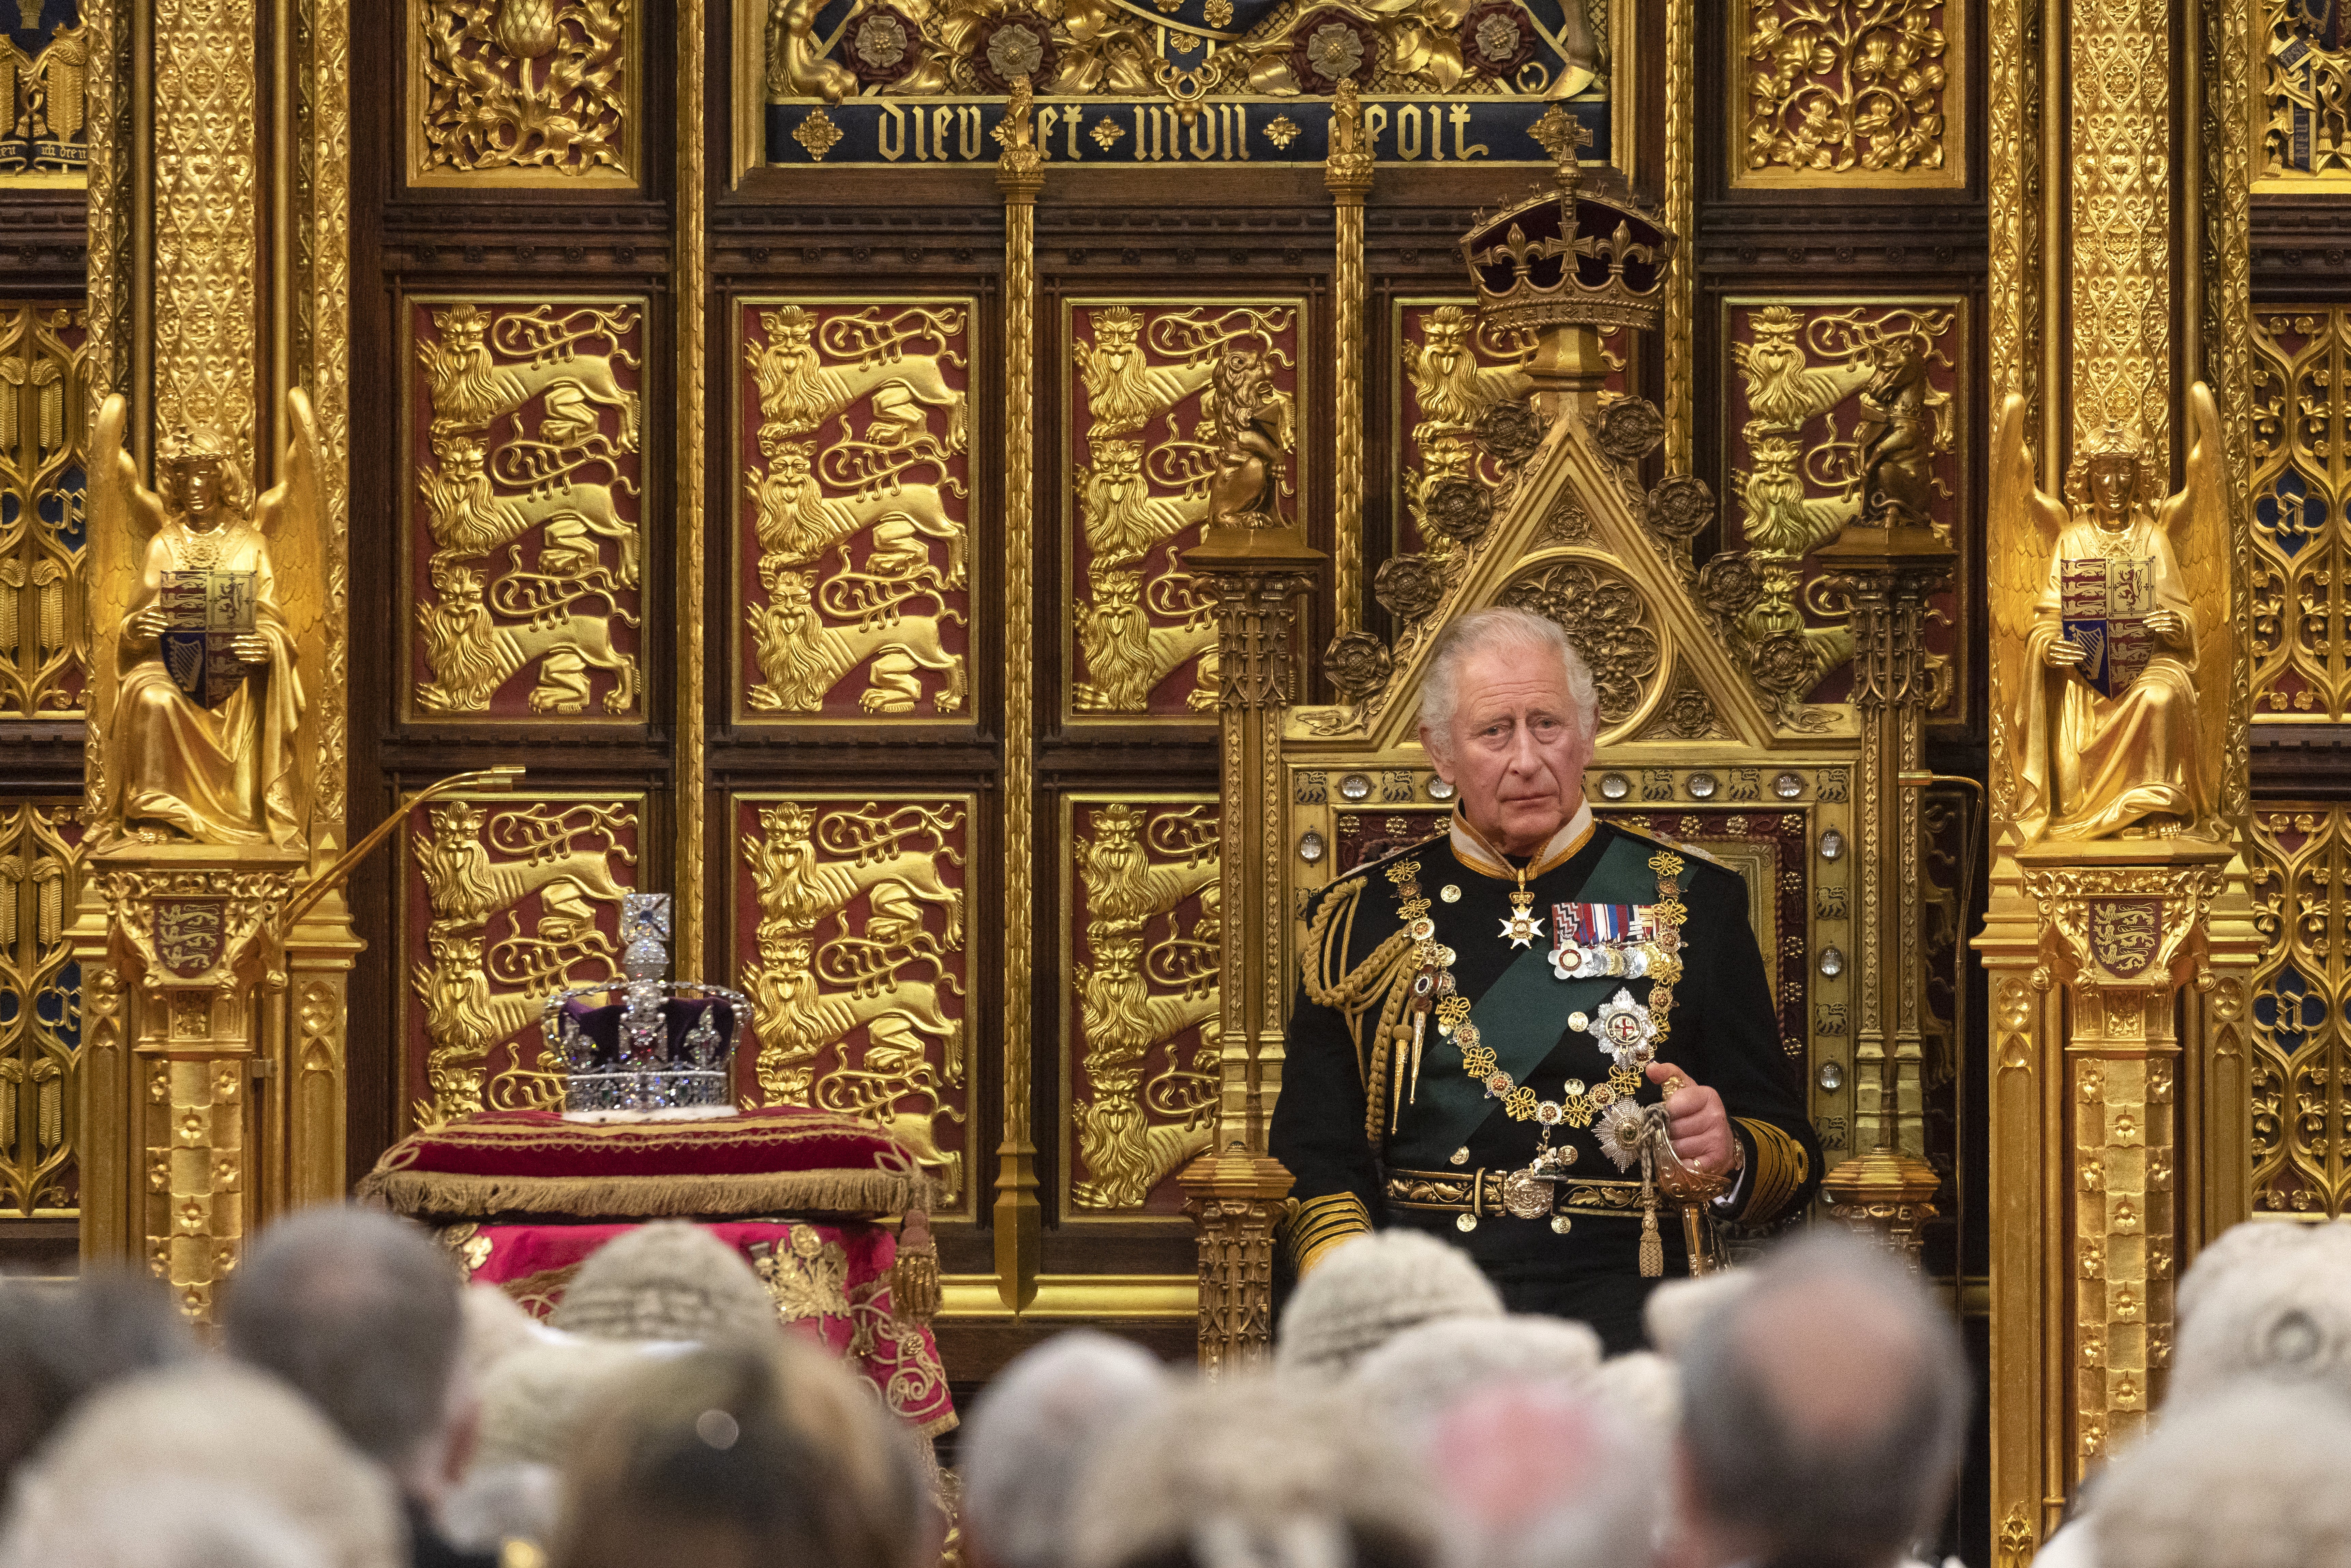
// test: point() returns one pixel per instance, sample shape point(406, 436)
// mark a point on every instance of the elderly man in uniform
point(1485, 1018)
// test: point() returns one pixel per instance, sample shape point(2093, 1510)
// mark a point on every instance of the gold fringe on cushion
point(452, 1196)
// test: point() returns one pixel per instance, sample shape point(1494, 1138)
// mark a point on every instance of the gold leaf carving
point(40, 1033)
point(42, 456)
point(1848, 92)
point(523, 91)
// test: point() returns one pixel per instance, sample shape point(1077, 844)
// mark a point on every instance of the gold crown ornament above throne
point(1569, 257)
point(665, 1045)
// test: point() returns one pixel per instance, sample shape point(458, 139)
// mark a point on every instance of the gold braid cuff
point(1316, 1225)
point(1775, 1174)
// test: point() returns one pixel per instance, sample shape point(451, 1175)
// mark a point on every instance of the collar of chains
point(1433, 991)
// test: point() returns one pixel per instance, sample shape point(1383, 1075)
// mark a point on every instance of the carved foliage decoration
point(1848, 92)
point(1451, 373)
point(43, 478)
point(1840, 412)
point(850, 939)
point(2303, 106)
point(40, 1007)
point(525, 512)
point(2301, 1067)
point(1142, 444)
point(504, 900)
point(523, 92)
point(853, 527)
point(44, 93)
point(1143, 944)
point(2302, 515)
point(1608, 621)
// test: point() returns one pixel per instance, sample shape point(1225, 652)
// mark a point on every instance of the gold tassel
point(914, 1278)
point(1653, 1245)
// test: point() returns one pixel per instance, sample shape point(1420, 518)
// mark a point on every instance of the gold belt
point(1479, 1193)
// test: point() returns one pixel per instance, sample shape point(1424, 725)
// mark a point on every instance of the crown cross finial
point(1519, 251)
point(1565, 137)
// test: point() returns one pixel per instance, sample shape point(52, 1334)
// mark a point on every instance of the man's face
point(1515, 749)
point(200, 487)
point(2112, 483)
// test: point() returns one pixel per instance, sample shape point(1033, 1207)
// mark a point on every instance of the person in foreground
point(1824, 1408)
point(1484, 1017)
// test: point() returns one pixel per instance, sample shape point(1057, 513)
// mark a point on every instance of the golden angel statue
point(2099, 629)
point(203, 614)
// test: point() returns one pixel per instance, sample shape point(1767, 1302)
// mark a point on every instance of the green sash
point(1521, 1017)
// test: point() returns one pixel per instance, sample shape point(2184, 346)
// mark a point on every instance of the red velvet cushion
point(774, 1159)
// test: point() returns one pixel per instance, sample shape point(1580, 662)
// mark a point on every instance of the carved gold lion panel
point(1139, 447)
point(524, 509)
point(1141, 944)
point(851, 938)
point(504, 900)
point(853, 436)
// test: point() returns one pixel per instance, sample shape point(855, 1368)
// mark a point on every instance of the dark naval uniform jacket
point(1369, 1147)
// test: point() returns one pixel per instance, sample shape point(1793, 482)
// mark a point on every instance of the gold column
point(1889, 574)
point(1681, 218)
point(1347, 175)
point(214, 1090)
point(2119, 1095)
point(1019, 174)
point(691, 289)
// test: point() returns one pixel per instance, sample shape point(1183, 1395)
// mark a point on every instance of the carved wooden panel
point(44, 85)
point(852, 429)
point(1140, 445)
point(1448, 372)
point(851, 938)
point(40, 1008)
point(524, 92)
point(2301, 1064)
point(43, 465)
point(2302, 106)
point(2301, 534)
point(524, 509)
point(1832, 409)
point(1141, 944)
point(1848, 94)
point(504, 900)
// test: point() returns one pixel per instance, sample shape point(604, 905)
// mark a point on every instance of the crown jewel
point(1569, 257)
point(666, 1044)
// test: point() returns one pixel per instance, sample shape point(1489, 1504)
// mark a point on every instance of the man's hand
point(1696, 1122)
point(2065, 654)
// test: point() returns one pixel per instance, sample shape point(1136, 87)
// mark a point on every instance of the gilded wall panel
point(1141, 443)
point(852, 940)
point(2302, 503)
point(524, 92)
point(1210, 81)
point(2302, 109)
point(1848, 93)
point(40, 1008)
point(1141, 945)
point(2301, 1068)
point(44, 93)
point(1449, 372)
point(504, 900)
point(1836, 410)
point(525, 514)
point(853, 515)
point(43, 478)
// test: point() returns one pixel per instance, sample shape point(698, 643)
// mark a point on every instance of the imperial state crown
point(664, 1045)
point(1569, 256)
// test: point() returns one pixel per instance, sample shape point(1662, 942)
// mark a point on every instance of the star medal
point(1626, 1031)
point(1520, 926)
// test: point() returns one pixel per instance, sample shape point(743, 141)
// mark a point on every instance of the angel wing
point(292, 514)
point(123, 516)
point(2025, 524)
point(2197, 521)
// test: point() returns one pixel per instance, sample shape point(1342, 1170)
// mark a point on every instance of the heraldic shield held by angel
point(2100, 628)
point(203, 607)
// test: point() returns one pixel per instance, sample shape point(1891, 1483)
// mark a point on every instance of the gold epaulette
point(1776, 1173)
point(1678, 846)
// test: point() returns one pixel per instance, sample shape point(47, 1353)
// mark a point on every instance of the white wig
point(1502, 629)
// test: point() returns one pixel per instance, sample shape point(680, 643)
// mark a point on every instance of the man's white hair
point(1413, 1378)
point(2286, 1318)
point(220, 1427)
point(1502, 629)
point(2258, 1478)
point(1036, 1429)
